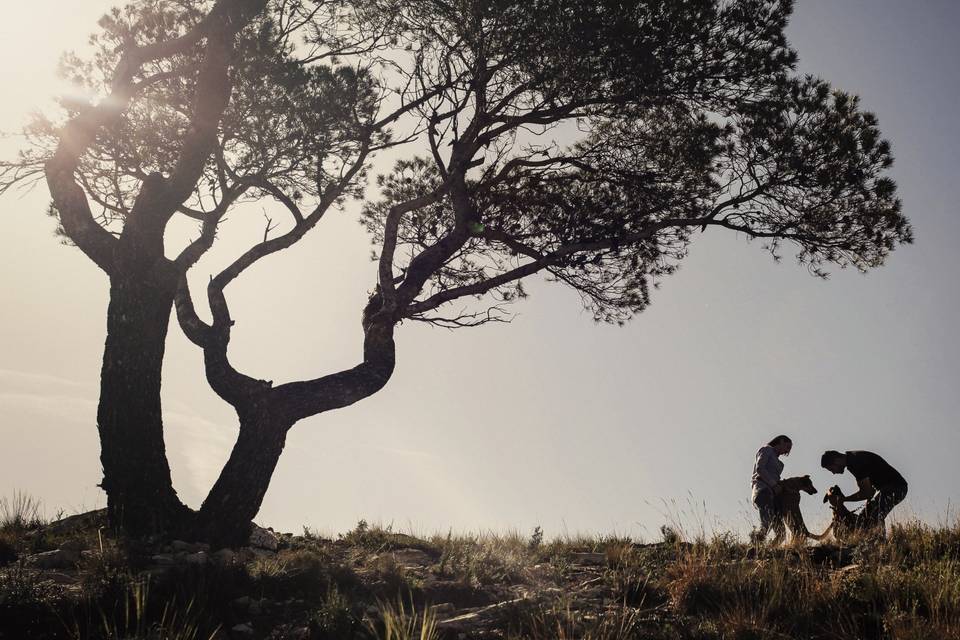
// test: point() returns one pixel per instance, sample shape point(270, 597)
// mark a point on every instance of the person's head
point(833, 461)
point(782, 445)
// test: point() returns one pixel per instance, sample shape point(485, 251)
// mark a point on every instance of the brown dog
point(789, 500)
point(845, 522)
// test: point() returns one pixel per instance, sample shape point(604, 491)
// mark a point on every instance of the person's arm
point(866, 491)
point(765, 468)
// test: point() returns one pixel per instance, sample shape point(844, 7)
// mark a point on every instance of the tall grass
point(137, 617)
point(399, 621)
point(20, 512)
point(907, 586)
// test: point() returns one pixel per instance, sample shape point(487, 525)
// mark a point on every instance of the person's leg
point(764, 502)
point(880, 506)
point(888, 498)
point(779, 529)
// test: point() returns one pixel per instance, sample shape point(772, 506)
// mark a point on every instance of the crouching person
point(878, 483)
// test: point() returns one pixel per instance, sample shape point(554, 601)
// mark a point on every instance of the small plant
point(137, 617)
point(21, 512)
point(483, 560)
point(335, 619)
point(394, 576)
point(564, 623)
point(536, 538)
point(670, 534)
point(397, 622)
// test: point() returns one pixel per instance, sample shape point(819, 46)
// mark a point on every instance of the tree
point(690, 120)
point(198, 106)
point(688, 117)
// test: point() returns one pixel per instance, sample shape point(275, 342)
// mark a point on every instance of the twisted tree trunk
point(226, 514)
point(136, 476)
point(267, 413)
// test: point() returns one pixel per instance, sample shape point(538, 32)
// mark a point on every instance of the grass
point(138, 616)
point(20, 512)
point(376, 584)
point(400, 621)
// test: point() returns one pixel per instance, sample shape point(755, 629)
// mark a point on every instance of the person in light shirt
point(765, 485)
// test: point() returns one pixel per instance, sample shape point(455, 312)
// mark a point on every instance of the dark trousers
point(880, 505)
point(771, 514)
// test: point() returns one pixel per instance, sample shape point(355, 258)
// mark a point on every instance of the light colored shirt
point(766, 470)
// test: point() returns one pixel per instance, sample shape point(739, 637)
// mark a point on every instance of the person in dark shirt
point(879, 484)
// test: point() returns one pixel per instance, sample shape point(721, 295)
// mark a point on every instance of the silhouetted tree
point(195, 106)
point(688, 119)
point(684, 116)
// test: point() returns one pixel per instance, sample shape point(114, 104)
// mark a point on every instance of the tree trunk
point(136, 477)
point(226, 514)
point(266, 414)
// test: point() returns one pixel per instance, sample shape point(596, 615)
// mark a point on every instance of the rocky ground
point(71, 579)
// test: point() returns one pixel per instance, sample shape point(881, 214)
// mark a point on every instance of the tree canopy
point(588, 141)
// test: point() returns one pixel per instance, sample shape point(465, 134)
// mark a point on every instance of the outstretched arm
point(866, 491)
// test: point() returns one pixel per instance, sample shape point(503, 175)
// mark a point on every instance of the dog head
point(834, 496)
point(807, 485)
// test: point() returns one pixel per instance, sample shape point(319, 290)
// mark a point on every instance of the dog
point(845, 522)
point(789, 501)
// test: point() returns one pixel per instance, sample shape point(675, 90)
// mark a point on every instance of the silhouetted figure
point(879, 484)
point(765, 486)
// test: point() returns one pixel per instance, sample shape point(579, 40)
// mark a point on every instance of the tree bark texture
point(136, 476)
point(266, 414)
point(226, 514)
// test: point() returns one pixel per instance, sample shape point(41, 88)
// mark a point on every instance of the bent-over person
point(878, 483)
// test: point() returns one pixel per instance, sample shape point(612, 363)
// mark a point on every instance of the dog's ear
point(826, 497)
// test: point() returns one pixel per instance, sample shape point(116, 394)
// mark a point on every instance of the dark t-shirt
point(864, 464)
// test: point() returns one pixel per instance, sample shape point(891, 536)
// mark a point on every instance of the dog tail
point(822, 535)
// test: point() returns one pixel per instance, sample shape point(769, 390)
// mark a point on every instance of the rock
point(408, 558)
point(162, 559)
point(242, 630)
point(442, 609)
point(591, 559)
point(475, 619)
point(847, 570)
point(198, 558)
point(56, 559)
point(79, 522)
point(243, 602)
point(72, 547)
point(224, 556)
point(60, 578)
point(246, 554)
point(263, 538)
point(290, 632)
point(181, 546)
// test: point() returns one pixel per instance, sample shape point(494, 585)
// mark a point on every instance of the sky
point(551, 420)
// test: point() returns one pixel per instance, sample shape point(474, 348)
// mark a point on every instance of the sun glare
point(33, 36)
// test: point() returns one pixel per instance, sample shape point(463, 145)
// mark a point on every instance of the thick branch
point(227, 382)
point(298, 400)
point(79, 133)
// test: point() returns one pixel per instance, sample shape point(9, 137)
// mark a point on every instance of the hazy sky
point(551, 420)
